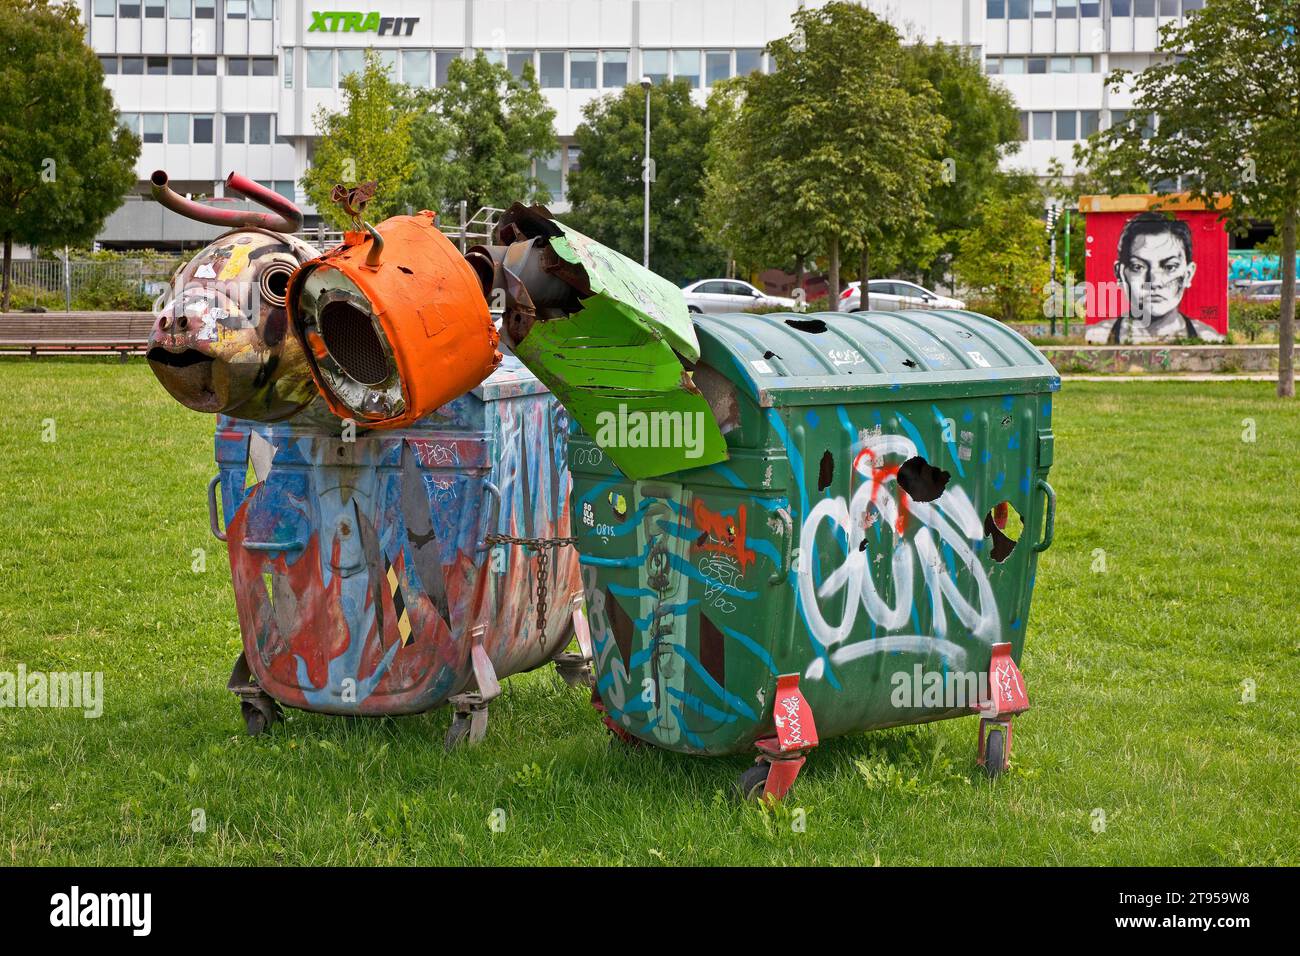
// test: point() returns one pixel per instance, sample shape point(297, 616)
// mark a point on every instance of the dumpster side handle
point(212, 508)
point(787, 539)
point(1049, 529)
point(495, 492)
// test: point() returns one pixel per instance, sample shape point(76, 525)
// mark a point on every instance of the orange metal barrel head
point(393, 322)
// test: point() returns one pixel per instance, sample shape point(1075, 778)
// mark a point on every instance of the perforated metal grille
point(352, 340)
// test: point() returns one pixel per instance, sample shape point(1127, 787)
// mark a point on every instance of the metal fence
point(89, 283)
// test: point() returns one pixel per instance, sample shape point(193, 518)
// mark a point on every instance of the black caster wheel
point(259, 715)
point(457, 733)
point(751, 783)
point(995, 752)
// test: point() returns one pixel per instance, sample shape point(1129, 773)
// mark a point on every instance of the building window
point(204, 9)
point(686, 66)
point(442, 64)
point(178, 128)
point(582, 70)
point(1042, 9)
point(654, 64)
point(235, 127)
point(151, 127)
point(105, 8)
point(416, 68)
point(614, 69)
point(203, 128)
point(206, 66)
point(132, 65)
point(1062, 64)
point(1042, 125)
point(128, 11)
point(551, 71)
point(182, 65)
point(1013, 65)
point(1090, 122)
point(236, 9)
point(155, 9)
point(320, 69)
point(1024, 127)
point(1018, 9)
point(351, 61)
point(1083, 64)
point(130, 122)
point(748, 61)
point(156, 65)
point(1067, 8)
point(1038, 64)
point(288, 67)
point(263, 66)
point(236, 66)
point(717, 66)
point(516, 60)
point(1067, 125)
point(108, 64)
point(259, 129)
point(1121, 8)
point(1090, 8)
point(1190, 6)
point(179, 9)
point(388, 59)
point(995, 9)
point(992, 66)
point(551, 175)
point(574, 163)
point(285, 188)
point(261, 9)
point(1144, 8)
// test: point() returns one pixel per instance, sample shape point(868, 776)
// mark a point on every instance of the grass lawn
point(1135, 673)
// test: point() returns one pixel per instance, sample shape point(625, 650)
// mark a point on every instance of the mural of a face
point(222, 342)
point(1156, 275)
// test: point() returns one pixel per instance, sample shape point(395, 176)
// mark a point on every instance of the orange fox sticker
point(723, 533)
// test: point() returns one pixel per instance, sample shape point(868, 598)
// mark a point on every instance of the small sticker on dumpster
point(978, 359)
point(761, 367)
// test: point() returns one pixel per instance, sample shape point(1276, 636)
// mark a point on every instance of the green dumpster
point(864, 557)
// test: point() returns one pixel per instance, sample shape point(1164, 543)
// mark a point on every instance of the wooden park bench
point(75, 333)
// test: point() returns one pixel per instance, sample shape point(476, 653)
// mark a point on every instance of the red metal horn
point(284, 217)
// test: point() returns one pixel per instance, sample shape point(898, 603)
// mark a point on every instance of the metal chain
point(543, 546)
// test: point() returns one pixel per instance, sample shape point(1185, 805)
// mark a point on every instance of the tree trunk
point(4, 280)
point(833, 274)
point(1286, 320)
point(864, 274)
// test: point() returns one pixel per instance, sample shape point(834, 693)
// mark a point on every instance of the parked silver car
point(892, 295)
point(730, 295)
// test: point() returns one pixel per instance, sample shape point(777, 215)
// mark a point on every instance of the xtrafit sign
point(338, 21)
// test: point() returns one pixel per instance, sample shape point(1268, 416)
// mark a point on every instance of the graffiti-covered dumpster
point(864, 558)
point(393, 571)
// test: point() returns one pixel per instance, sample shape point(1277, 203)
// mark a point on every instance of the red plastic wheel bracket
point(1007, 694)
point(795, 728)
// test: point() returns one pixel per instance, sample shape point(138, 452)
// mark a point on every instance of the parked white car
point(892, 295)
point(730, 295)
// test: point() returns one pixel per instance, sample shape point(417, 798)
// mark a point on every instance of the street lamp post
point(645, 178)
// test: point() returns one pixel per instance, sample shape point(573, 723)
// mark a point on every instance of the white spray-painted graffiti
point(952, 518)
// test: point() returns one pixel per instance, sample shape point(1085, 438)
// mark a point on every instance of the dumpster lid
point(791, 358)
point(510, 380)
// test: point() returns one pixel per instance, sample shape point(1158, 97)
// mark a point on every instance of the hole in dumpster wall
point(826, 473)
point(713, 651)
point(1004, 532)
point(921, 480)
point(807, 325)
point(910, 363)
point(770, 354)
point(404, 269)
point(621, 625)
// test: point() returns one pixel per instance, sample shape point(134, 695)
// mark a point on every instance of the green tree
point(1002, 254)
point(478, 138)
point(1227, 98)
point(370, 138)
point(845, 135)
point(607, 192)
point(737, 208)
point(65, 163)
point(983, 129)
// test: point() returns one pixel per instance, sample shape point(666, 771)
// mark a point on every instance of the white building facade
point(218, 85)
